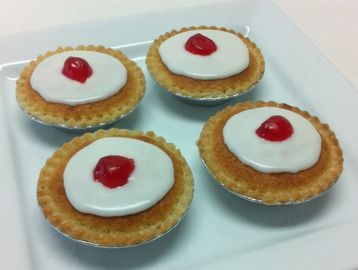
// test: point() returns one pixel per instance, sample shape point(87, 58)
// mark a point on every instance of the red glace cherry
point(276, 129)
point(200, 44)
point(113, 171)
point(76, 68)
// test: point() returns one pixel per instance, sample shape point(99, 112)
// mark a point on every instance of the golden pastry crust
point(84, 115)
point(269, 188)
point(113, 231)
point(181, 85)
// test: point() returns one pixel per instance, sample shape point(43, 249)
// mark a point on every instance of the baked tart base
point(82, 116)
point(121, 231)
point(269, 188)
point(205, 90)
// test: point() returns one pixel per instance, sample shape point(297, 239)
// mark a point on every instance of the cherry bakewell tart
point(79, 88)
point(115, 188)
point(205, 63)
point(270, 153)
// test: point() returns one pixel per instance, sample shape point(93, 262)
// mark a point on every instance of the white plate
point(220, 230)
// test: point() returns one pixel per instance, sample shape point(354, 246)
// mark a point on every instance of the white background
point(330, 24)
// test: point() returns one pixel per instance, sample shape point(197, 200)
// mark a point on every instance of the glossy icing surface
point(109, 75)
point(151, 179)
point(299, 152)
point(230, 58)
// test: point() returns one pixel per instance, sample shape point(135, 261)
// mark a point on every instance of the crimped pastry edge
point(86, 115)
point(103, 237)
point(281, 196)
point(199, 89)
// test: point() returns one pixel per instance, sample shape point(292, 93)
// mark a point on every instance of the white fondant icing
point(151, 179)
point(108, 77)
point(230, 58)
point(299, 152)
